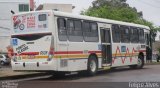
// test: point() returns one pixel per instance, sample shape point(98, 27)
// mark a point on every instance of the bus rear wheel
point(92, 66)
point(140, 63)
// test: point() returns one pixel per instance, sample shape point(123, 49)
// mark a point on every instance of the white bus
point(63, 42)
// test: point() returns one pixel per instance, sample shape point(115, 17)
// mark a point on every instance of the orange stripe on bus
point(74, 52)
point(79, 56)
point(129, 54)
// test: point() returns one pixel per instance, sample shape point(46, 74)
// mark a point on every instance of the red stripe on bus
point(69, 52)
point(94, 51)
point(30, 53)
point(142, 50)
point(59, 52)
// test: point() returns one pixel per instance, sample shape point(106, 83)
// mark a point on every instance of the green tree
point(119, 10)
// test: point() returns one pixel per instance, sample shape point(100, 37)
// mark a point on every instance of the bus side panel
point(73, 56)
point(124, 54)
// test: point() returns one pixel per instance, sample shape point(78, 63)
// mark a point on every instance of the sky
point(150, 8)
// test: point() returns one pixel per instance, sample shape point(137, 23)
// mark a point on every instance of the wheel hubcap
point(93, 66)
point(139, 62)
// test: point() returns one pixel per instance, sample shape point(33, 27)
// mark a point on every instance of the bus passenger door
point(148, 46)
point(106, 46)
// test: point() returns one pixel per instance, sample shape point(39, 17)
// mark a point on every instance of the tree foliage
point(118, 10)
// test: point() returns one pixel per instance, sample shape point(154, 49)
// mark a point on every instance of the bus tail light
point(50, 56)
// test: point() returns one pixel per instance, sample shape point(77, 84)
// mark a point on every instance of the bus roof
point(21, 13)
point(70, 15)
point(64, 14)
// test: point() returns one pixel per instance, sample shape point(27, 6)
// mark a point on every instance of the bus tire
point(92, 66)
point(140, 63)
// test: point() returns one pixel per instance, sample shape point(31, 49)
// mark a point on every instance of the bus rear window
point(30, 37)
point(42, 17)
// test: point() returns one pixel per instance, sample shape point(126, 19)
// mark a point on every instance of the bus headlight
point(50, 57)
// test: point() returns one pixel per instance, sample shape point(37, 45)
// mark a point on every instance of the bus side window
point(122, 34)
point(62, 33)
point(125, 34)
point(94, 31)
point(78, 31)
point(86, 27)
point(74, 30)
point(141, 36)
point(70, 26)
point(116, 33)
point(132, 38)
point(90, 31)
point(127, 31)
point(134, 35)
point(147, 39)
